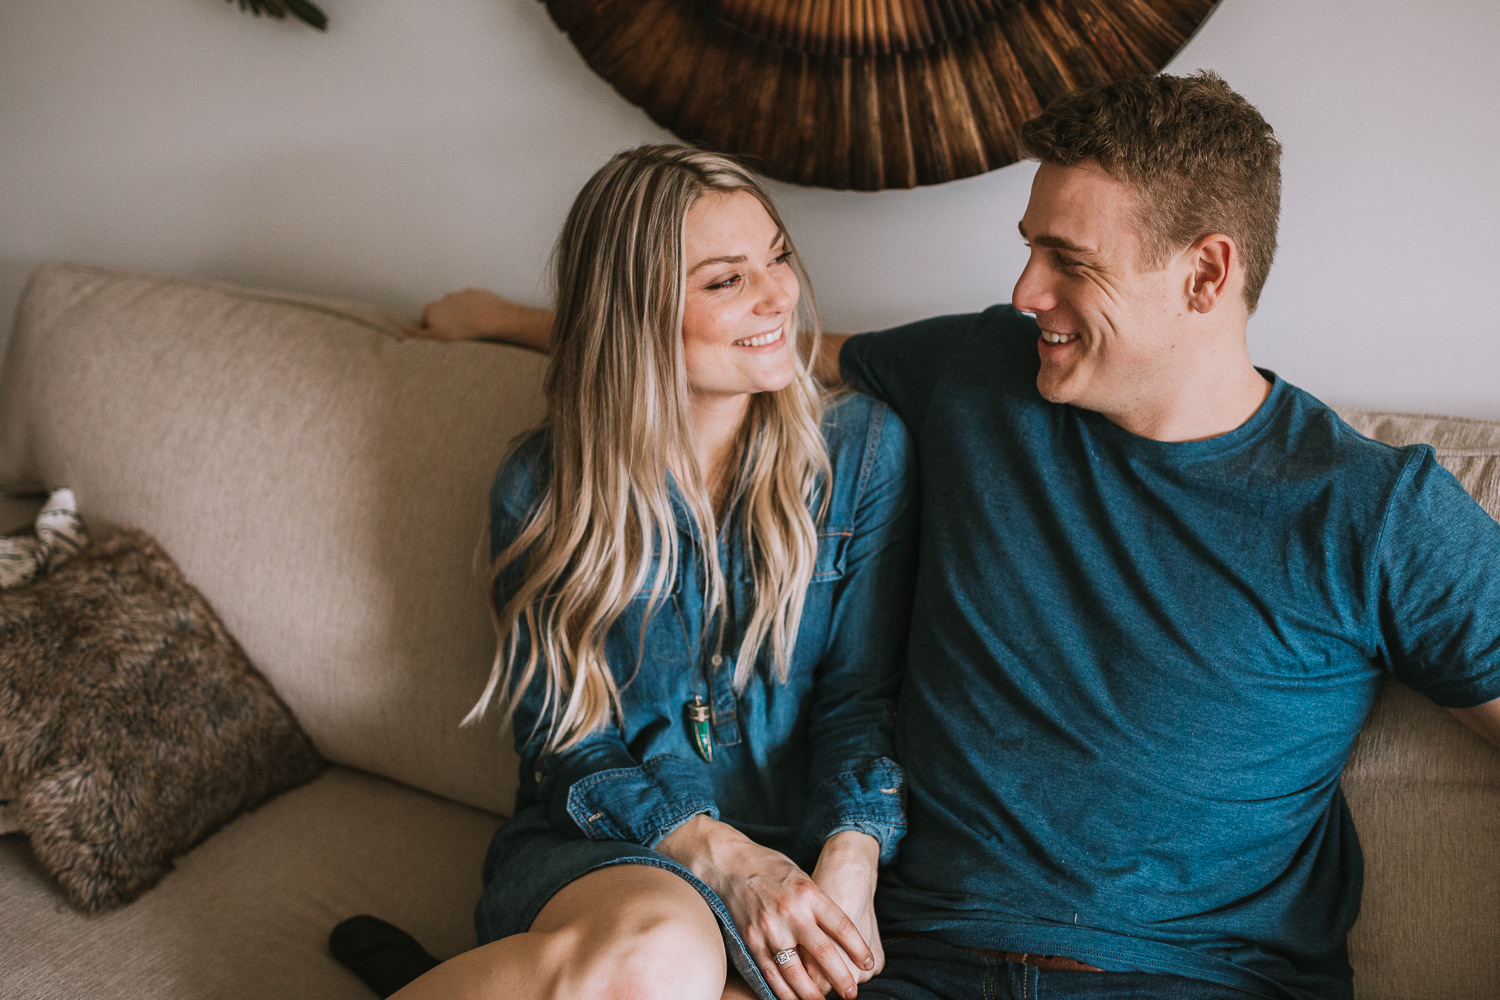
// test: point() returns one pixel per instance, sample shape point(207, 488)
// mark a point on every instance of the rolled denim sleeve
point(596, 788)
point(603, 794)
point(855, 783)
point(599, 790)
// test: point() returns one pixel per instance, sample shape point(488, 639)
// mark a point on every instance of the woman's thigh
point(634, 925)
point(628, 897)
point(623, 931)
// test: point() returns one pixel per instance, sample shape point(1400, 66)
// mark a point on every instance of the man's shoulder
point(1316, 436)
point(858, 428)
point(924, 341)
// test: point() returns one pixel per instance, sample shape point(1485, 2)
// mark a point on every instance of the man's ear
point(1214, 259)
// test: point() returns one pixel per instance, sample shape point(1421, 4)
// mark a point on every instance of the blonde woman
point(701, 579)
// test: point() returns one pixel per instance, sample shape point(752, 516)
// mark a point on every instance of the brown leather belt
point(1047, 963)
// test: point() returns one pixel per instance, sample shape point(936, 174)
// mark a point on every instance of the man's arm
point(826, 364)
point(1483, 719)
point(476, 314)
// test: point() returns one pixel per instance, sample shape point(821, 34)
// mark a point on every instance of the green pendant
point(697, 717)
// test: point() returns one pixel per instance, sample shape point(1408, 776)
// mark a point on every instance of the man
point(1158, 591)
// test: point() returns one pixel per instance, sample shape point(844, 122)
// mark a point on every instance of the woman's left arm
point(856, 811)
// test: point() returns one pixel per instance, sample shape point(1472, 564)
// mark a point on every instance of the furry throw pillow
point(132, 725)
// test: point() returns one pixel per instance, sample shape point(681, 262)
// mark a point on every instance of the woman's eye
point(729, 282)
point(782, 258)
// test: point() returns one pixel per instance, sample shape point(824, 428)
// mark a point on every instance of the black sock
point(384, 956)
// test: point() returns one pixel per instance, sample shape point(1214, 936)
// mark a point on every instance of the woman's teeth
point(761, 341)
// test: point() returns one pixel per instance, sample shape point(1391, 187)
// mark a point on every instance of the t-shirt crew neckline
point(1208, 447)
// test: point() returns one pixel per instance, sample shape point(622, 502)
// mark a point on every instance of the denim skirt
point(528, 862)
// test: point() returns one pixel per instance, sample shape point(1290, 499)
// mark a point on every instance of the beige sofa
point(322, 481)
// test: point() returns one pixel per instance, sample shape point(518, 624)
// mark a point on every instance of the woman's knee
point(632, 932)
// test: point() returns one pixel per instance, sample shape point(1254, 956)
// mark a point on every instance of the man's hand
point(846, 870)
point(476, 314)
point(777, 908)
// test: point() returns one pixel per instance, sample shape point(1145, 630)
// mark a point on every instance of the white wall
point(425, 144)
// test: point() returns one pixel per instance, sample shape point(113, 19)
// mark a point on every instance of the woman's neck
point(716, 427)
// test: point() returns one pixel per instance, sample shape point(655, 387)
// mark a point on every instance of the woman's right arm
point(477, 314)
point(595, 788)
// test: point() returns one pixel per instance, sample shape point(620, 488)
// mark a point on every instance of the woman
point(700, 589)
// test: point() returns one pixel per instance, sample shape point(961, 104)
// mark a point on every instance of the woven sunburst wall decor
point(867, 94)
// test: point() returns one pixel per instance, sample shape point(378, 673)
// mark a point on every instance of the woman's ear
point(1214, 260)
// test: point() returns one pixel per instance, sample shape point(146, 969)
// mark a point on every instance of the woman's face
point(740, 298)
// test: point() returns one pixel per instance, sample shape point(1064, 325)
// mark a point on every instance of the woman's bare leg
point(627, 932)
point(735, 989)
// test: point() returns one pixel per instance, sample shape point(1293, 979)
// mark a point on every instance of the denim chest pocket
point(669, 587)
point(833, 544)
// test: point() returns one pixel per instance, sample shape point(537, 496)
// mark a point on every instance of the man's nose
point(1032, 293)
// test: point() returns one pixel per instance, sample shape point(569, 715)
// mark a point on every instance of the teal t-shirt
point(1137, 668)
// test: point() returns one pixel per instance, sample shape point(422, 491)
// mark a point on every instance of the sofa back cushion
point(319, 478)
point(1425, 794)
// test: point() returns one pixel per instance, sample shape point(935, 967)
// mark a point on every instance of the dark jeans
point(924, 969)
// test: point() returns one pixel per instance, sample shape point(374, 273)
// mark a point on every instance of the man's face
point(1109, 321)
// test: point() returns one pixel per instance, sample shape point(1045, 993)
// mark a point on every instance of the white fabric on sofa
point(323, 482)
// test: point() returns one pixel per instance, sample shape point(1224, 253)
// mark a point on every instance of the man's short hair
point(1200, 156)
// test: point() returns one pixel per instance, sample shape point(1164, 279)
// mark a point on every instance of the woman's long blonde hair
point(618, 416)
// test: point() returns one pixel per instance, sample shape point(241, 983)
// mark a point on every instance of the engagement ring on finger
point(785, 955)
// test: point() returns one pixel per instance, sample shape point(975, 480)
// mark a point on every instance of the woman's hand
point(777, 908)
point(476, 314)
point(846, 871)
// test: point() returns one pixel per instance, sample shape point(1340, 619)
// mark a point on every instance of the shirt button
point(539, 776)
point(717, 660)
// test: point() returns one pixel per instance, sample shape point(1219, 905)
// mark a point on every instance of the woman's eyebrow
point(735, 258)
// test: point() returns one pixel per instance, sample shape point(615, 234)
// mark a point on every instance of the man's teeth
point(1058, 338)
point(761, 341)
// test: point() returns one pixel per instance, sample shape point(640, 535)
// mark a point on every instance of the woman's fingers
point(820, 956)
point(812, 965)
point(778, 908)
point(790, 979)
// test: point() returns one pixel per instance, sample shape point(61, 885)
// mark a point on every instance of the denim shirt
point(792, 763)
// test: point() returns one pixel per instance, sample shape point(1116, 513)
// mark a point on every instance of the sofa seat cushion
point(246, 914)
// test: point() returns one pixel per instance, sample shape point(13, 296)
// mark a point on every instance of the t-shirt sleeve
point(902, 366)
point(1439, 588)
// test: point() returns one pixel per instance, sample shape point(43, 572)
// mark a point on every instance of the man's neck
point(1208, 406)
